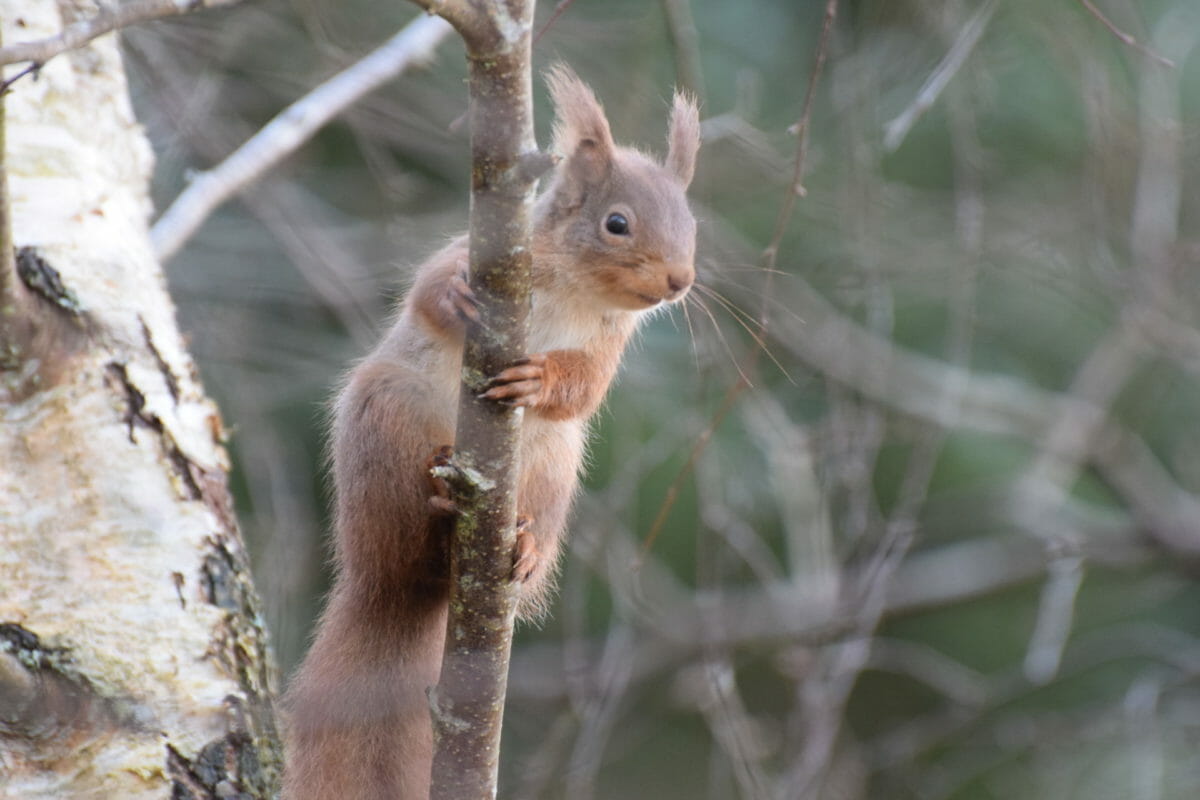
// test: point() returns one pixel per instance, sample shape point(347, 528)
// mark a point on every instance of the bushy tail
point(358, 714)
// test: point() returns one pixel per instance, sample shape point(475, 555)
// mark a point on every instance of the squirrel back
point(613, 239)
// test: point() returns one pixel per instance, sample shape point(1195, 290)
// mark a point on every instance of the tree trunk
point(133, 662)
point(467, 705)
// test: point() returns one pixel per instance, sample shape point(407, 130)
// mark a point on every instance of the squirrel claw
point(520, 384)
point(441, 501)
point(460, 299)
point(443, 506)
point(525, 552)
point(521, 393)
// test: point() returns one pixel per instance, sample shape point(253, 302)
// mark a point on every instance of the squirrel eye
point(616, 224)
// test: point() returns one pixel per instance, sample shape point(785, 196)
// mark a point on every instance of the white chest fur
point(559, 321)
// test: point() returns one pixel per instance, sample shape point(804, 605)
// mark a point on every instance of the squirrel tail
point(358, 714)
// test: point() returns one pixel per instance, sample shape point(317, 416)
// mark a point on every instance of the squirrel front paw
point(522, 384)
point(459, 301)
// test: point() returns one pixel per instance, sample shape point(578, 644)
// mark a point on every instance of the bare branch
point(1056, 612)
point(698, 448)
point(466, 18)
point(770, 256)
point(467, 705)
point(686, 41)
point(711, 687)
point(796, 189)
point(1064, 446)
point(1123, 36)
point(296, 124)
point(896, 130)
point(559, 8)
point(111, 17)
point(1158, 198)
point(949, 396)
point(681, 626)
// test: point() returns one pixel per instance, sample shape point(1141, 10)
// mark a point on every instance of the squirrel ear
point(581, 131)
point(683, 138)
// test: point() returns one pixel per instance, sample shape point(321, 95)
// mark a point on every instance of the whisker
point(730, 306)
point(776, 304)
point(753, 268)
point(687, 318)
point(724, 341)
point(737, 315)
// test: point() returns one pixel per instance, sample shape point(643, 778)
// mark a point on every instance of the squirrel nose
point(679, 279)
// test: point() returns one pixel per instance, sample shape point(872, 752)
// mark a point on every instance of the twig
point(559, 8)
point(1056, 612)
point(717, 698)
point(291, 128)
point(925, 664)
point(682, 28)
point(897, 129)
point(1160, 190)
point(672, 493)
point(286, 211)
point(1125, 37)
point(600, 710)
point(110, 17)
point(1070, 441)
point(916, 385)
point(32, 69)
point(681, 625)
point(800, 129)
point(1066, 442)
point(770, 256)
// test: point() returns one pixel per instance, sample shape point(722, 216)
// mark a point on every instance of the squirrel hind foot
point(526, 555)
point(441, 502)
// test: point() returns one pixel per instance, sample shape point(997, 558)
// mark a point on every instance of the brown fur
point(359, 724)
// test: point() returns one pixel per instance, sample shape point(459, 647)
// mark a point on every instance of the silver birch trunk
point(133, 661)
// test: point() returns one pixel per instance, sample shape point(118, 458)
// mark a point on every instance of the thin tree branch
point(801, 129)
point(110, 17)
point(1161, 124)
point(686, 40)
point(1125, 37)
point(559, 8)
point(469, 20)
point(681, 626)
point(1056, 613)
point(1067, 444)
point(468, 703)
point(701, 443)
point(895, 131)
point(292, 127)
point(770, 255)
point(917, 385)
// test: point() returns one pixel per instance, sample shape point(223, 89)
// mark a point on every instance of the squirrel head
point(613, 216)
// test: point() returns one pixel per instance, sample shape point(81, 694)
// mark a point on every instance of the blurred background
point(904, 503)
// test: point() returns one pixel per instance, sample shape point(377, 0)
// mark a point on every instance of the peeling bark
point(133, 661)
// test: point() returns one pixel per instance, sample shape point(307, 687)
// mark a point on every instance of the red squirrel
point(613, 239)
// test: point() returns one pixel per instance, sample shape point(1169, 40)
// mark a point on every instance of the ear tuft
point(580, 127)
point(683, 137)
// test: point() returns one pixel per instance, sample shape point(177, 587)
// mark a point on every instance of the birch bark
point(133, 660)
